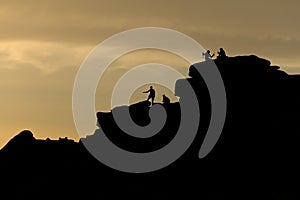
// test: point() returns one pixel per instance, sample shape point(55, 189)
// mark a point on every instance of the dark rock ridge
point(257, 153)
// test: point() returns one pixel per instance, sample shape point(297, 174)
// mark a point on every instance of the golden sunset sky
point(44, 42)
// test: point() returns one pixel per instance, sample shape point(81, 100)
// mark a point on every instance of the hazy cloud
point(47, 56)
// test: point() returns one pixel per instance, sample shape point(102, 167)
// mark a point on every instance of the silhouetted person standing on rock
point(166, 99)
point(207, 55)
point(151, 94)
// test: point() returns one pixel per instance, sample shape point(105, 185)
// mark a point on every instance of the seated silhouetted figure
point(207, 55)
point(165, 99)
point(151, 94)
point(221, 54)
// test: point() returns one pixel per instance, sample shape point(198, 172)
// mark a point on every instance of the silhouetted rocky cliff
point(257, 153)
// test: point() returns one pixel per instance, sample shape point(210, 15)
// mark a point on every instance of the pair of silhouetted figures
point(151, 96)
point(208, 56)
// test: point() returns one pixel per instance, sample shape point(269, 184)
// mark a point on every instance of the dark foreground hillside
point(256, 156)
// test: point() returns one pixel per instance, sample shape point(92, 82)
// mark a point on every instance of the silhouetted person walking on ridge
point(151, 94)
point(166, 99)
point(207, 55)
point(221, 54)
